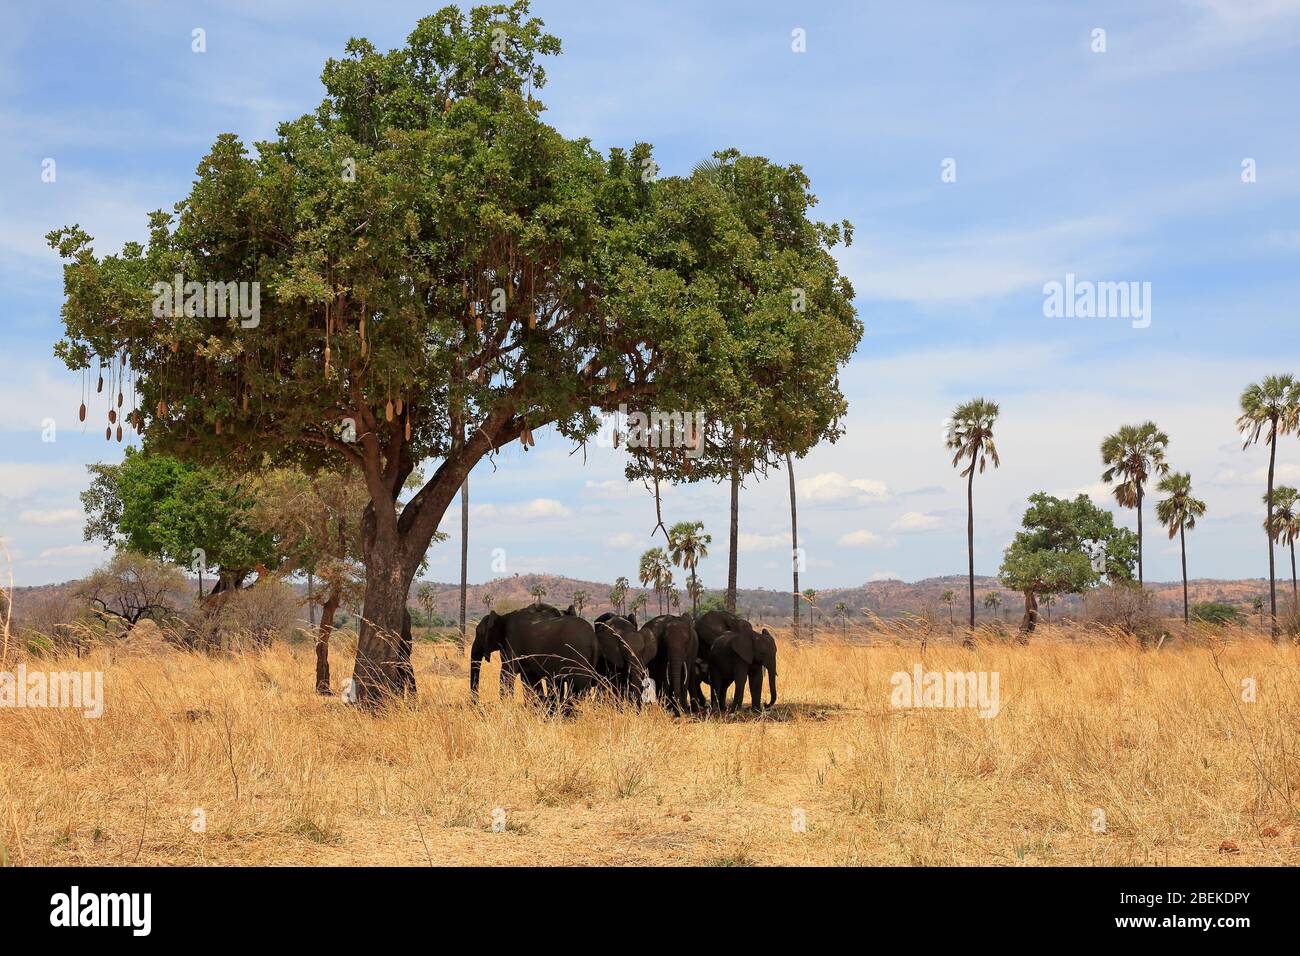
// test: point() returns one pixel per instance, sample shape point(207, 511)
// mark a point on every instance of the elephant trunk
point(771, 684)
point(677, 681)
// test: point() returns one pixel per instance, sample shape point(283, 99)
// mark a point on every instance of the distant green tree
point(1178, 512)
point(1132, 455)
point(1270, 408)
point(1286, 525)
point(195, 517)
point(688, 545)
point(1213, 612)
point(970, 438)
point(618, 596)
point(1066, 547)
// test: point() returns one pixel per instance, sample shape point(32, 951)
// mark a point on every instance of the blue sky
point(1123, 165)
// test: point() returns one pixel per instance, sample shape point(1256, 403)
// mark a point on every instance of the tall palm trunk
point(1294, 602)
point(464, 555)
point(1268, 527)
point(1182, 546)
point(794, 543)
point(1140, 580)
point(970, 549)
point(734, 537)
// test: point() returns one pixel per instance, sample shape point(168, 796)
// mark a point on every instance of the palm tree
point(538, 591)
point(579, 601)
point(1286, 525)
point(1178, 513)
point(993, 601)
point(1270, 408)
point(488, 598)
point(794, 543)
point(1258, 604)
point(948, 598)
point(970, 435)
point(674, 599)
point(1047, 602)
point(654, 572)
point(842, 610)
point(1132, 455)
point(687, 545)
point(695, 591)
point(810, 595)
point(425, 596)
point(638, 603)
point(618, 596)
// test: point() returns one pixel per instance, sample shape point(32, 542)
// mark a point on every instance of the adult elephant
point(675, 667)
point(709, 627)
point(560, 650)
point(479, 652)
point(614, 657)
point(739, 657)
point(637, 648)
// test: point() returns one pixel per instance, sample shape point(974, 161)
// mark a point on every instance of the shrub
point(1126, 608)
point(261, 613)
point(1216, 613)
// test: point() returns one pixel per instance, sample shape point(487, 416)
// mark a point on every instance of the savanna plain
point(1102, 753)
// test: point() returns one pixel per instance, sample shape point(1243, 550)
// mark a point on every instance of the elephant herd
point(560, 657)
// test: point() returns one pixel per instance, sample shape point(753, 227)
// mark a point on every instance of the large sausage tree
point(440, 274)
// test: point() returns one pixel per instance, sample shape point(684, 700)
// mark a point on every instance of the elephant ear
point(742, 644)
point(632, 617)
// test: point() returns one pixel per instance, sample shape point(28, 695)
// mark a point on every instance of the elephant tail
point(771, 683)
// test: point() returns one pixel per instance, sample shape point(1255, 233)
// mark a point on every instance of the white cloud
point(883, 576)
point(539, 508)
point(831, 486)
point(70, 551)
point(624, 539)
point(57, 516)
point(861, 539)
point(1097, 491)
point(762, 542)
point(916, 521)
point(613, 488)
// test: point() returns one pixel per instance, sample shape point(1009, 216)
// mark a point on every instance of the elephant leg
point(756, 688)
point(739, 677)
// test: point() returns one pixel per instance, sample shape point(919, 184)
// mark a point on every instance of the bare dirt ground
point(1161, 744)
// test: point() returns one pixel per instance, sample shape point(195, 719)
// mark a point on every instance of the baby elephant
point(737, 657)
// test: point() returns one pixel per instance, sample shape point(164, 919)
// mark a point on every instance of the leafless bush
point(267, 610)
point(1125, 608)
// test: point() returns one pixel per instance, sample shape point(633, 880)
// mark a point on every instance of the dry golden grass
point(1159, 740)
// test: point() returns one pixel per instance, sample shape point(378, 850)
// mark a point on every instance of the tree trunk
point(1295, 605)
point(311, 599)
point(380, 673)
point(734, 536)
point(1141, 581)
point(323, 640)
point(794, 544)
point(970, 551)
point(1182, 546)
point(1268, 526)
point(464, 555)
point(1030, 620)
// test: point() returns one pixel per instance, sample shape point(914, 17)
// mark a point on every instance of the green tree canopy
point(193, 516)
point(1066, 547)
point(440, 273)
